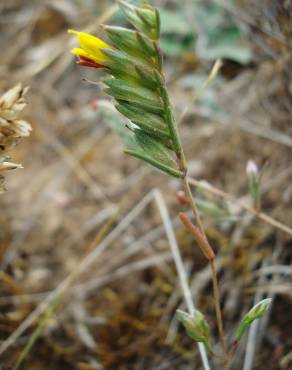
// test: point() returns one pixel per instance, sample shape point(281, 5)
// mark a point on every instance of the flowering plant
point(136, 82)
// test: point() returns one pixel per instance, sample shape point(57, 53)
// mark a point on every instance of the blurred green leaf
point(212, 209)
point(218, 34)
point(225, 44)
point(206, 28)
point(173, 22)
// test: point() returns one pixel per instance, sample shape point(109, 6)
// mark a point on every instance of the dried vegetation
point(78, 192)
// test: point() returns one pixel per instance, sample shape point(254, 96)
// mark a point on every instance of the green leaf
point(138, 115)
point(133, 43)
point(146, 76)
point(124, 90)
point(145, 19)
point(154, 153)
point(154, 149)
point(150, 123)
point(160, 166)
point(123, 66)
point(255, 313)
point(174, 22)
point(212, 209)
point(254, 187)
point(173, 47)
point(226, 44)
point(218, 35)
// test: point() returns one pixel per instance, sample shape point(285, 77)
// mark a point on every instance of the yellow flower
point(89, 52)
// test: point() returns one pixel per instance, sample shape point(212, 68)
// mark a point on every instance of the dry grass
point(77, 194)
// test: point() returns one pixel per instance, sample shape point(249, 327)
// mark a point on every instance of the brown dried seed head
point(12, 129)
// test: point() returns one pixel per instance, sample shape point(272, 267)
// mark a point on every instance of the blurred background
point(77, 187)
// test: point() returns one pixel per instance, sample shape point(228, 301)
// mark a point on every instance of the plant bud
point(255, 313)
point(254, 182)
point(252, 168)
point(196, 326)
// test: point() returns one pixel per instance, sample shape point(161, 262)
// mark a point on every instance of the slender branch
point(182, 164)
point(193, 206)
point(199, 232)
point(218, 313)
point(260, 215)
point(214, 273)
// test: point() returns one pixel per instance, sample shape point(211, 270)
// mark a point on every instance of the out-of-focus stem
point(198, 232)
point(216, 291)
point(218, 313)
point(193, 206)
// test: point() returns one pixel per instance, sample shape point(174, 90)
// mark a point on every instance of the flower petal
point(85, 62)
point(82, 52)
point(91, 46)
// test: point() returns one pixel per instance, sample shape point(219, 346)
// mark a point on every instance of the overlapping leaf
point(138, 87)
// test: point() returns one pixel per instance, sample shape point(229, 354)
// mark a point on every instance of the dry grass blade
point(83, 266)
point(76, 186)
point(36, 333)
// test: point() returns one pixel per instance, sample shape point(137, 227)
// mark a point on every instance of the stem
point(216, 291)
point(218, 313)
point(182, 164)
point(193, 206)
